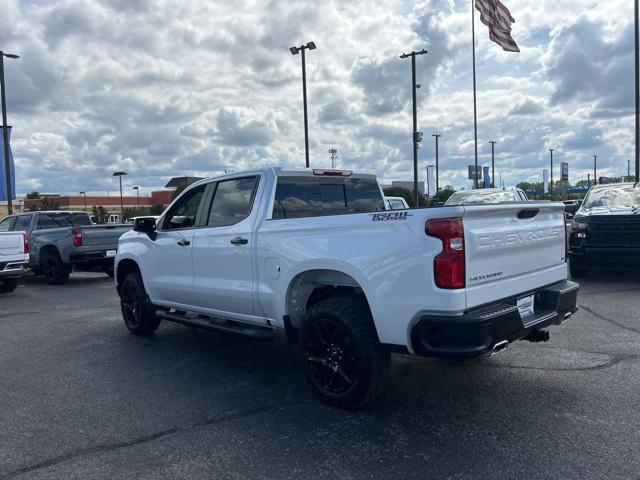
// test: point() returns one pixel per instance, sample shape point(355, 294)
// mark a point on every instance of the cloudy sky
point(161, 89)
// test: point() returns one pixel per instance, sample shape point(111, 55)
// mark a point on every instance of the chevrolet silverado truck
point(605, 231)
point(62, 240)
point(313, 257)
point(14, 258)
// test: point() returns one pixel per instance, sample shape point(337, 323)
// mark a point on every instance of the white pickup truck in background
point(14, 259)
point(314, 254)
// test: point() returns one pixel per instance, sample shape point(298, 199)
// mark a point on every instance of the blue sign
point(487, 178)
point(3, 177)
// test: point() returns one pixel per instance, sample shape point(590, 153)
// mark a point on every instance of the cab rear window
point(300, 197)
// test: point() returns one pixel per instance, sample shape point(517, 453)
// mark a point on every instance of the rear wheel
point(344, 362)
point(108, 269)
point(577, 271)
point(8, 285)
point(137, 311)
point(53, 269)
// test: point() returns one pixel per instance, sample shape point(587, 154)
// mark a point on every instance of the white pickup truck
point(14, 259)
point(313, 254)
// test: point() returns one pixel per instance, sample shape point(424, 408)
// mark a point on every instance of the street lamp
point(628, 170)
point(493, 164)
point(84, 194)
point(119, 175)
point(595, 173)
point(417, 136)
point(295, 51)
point(138, 193)
point(5, 130)
point(437, 136)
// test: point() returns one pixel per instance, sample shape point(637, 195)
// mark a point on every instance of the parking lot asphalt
point(82, 398)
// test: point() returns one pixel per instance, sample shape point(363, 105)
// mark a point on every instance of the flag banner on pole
point(486, 177)
point(496, 16)
point(431, 181)
point(545, 180)
point(3, 176)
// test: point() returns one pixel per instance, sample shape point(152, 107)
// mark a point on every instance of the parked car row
point(59, 241)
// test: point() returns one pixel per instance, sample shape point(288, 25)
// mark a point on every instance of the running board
point(228, 327)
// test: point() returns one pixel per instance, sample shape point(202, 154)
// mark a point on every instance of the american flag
point(497, 17)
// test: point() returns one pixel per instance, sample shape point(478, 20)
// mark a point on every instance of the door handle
point(184, 242)
point(239, 241)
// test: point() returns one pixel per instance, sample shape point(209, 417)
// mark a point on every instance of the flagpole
point(637, 48)
point(475, 110)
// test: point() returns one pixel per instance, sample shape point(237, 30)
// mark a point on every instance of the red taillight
point(76, 233)
point(25, 246)
point(448, 266)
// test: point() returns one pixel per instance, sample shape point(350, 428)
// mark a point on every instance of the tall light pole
point(637, 45)
point(551, 172)
point(295, 51)
point(493, 163)
point(120, 175)
point(595, 168)
point(84, 194)
point(137, 189)
point(333, 152)
point(628, 170)
point(437, 136)
point(588, 180)
point(416, 134)
point(5, 131)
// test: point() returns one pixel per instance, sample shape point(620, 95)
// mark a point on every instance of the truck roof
point(293, 171)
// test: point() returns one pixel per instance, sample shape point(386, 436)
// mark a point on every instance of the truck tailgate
point(11, 246)
point(103, 236)
point(512, 249)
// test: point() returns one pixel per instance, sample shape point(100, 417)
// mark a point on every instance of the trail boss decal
point(383, 217)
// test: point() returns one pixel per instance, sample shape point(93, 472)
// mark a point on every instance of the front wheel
point(577, 271)
point(137, 311)
point(8, 285)
point(344, 362)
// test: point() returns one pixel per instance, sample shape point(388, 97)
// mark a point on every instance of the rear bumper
point(98, 257)
point(477, 331)
point(13, 269)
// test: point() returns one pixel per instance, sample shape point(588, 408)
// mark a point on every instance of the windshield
point(621, 196)
point(479, 197)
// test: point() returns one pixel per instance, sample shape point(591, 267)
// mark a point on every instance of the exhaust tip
point(498, 347)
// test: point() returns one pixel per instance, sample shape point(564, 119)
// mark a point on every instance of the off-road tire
point(54, 271)
point(138, 312)
point(577, 271)
point(355, 346)
point(8, 285)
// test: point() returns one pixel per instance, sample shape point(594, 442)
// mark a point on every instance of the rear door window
point(22, 223)
point(232, 201)
point(299, 197)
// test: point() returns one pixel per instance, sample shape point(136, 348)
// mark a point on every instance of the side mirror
point(145, 225)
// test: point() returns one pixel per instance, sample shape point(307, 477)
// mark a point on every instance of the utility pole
point(595, 172)
point(416, 135)
point(120, 175)
point(637, 45)
point(84, 194)
point(437, 136)
point(295, 51)
point(493, 164)
point(5, 131)
point(551, 184)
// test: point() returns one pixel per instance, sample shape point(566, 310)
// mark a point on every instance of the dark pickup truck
point(605, 232)
point(62, 240)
